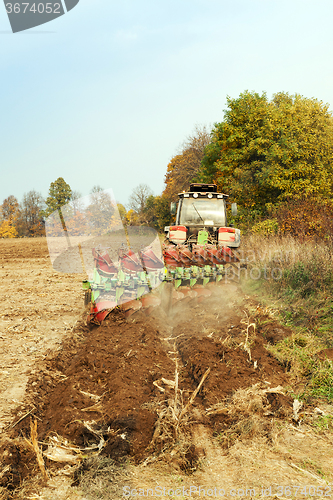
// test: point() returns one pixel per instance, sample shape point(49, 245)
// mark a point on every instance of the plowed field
point(119, 404)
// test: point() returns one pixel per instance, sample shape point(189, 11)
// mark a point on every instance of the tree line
point(22, 219)
point(27, 219)
point(265, 153)
point(274, 157)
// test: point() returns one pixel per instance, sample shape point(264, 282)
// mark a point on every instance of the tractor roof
point(203, 189)
point(199, 188)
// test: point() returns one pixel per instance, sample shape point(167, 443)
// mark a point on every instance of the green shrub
point(266, 227)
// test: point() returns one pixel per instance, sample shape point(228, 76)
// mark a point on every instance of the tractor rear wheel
point(87, 297)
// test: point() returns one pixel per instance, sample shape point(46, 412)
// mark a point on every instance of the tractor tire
point(87, 297)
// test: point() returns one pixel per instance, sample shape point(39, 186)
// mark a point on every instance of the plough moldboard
point(127, 284)
point(138, 280)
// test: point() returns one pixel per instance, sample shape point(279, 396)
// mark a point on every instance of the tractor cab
point(201, 217)
point(202, 206)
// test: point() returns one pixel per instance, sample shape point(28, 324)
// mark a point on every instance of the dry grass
point(298, 270)
point(34, 445)
point(246, 411)
point(296, 279)
point(248, 342)
point(101, 478)
point(172, 439)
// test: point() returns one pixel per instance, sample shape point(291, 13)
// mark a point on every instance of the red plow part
point(147, 303)
point(103, 263)
point(188, 292)
point(171, 256)
point(228, 255)
point(214, 254)
point(202, 292)
point(150, 261)
point(147, 260)
point(200, 256)
point(209, 255)
point(150, 300)
point(99, 311)
point(130, 261)
point(185, 256)
point(131, 307)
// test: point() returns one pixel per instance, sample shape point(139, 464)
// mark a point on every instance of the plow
point(199, 249)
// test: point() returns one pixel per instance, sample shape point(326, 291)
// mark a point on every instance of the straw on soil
point(246, 413)
point(248, 326)
point(172, 435)
point(34, 445)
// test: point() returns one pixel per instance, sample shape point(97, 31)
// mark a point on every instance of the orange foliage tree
point(306, 218)
point(7, 230)
point(9, 213)
point(184, 167)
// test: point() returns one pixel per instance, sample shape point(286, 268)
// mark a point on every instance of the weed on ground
point(296, 280)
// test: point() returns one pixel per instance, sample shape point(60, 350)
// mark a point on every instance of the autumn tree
point(305, 218)
point(30, 221)
point(10, 212)
point(132, 217)
point(59, 194)
point(10, 208)
point(7, 230)
point(123, 213)
point(24, 219)
point(184, 167)
point(76, 202)
point(147, 209)
point(266, 151)
point(138, 198)
point(101, 211)
point(156, 213)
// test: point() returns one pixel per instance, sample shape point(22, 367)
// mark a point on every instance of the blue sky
point(107, 93)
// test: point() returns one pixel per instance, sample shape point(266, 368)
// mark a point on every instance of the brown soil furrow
point(114, 385)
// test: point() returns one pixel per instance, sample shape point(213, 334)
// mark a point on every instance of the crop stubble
point(85, 384)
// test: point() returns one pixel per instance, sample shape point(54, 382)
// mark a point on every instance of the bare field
point(127, 392)
point(39, 308)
